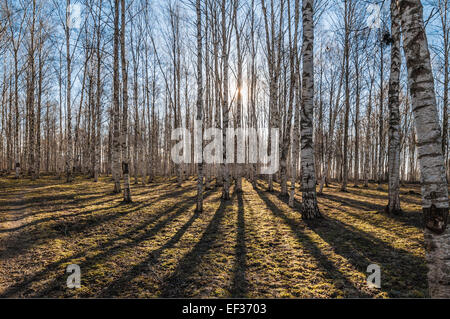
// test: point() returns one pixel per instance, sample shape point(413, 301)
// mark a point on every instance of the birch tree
point(435, 203)
point(31, 79)
point(394, 114)
point(98, 139)
point(225, 106)
point(239, 102)
point(310, 210)
point(16, 36)
point(199, 117)
point(273, 47)
point(116, 110)
point(443, 9)
point(288, 119)
point(124, 135)
point(347, 18)
point(69, 151)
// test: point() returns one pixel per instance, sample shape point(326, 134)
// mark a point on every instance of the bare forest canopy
point(160, 50)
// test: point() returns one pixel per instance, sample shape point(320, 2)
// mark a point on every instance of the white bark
point(394, 115)
point(199, 117)
point(429, 144)
point(225, 113)
point(368, 137)
point(310, 209)
point(69, 154)
point(124, 137)
point(115, 113)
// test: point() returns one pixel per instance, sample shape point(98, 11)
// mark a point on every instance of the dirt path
point(14, 217)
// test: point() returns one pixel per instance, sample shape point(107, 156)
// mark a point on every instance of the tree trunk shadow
point(175, 285)
point(240, 285)
point(330, 271)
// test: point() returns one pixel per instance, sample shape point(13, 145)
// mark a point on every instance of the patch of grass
point(252, 246)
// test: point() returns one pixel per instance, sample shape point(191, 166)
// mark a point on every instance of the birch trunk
point(124, 137)
point(357, 106)
point(394, 115)
point(69, 151)
point(15, 43)
point(273, 62)
point(30, 99)
point(16, 117)
point(381, 118)
point(252, 88)
point(225, 113)
point(98, 110)
point(199, 118)
point(347, 97)
point(98, 141)
point(287, 132)
point(136, 148)
point(116, 111)
point(238, 166)
point(429, 144)
point(330, 144)
point(295, 136)
point(39, 108)
point(443, 11)
point(367, 146)
point(92, 121)
point(310, 210)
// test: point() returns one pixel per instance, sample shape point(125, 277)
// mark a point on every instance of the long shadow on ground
point(180, 280)
point(108, 248)
point(409, 218)
point(331, 272)
point(402, 271)
point(240, 284)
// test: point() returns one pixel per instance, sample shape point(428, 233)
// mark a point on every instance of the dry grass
point(251, 246)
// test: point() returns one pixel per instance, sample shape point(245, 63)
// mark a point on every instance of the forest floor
point(251, 246)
